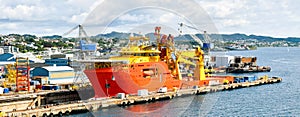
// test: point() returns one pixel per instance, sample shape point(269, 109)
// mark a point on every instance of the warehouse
point(53, 74)
point(57, 62)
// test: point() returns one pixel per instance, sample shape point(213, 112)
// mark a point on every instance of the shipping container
point(1, 90)
point(162, 90)
point(143, 92)
point(121, 95)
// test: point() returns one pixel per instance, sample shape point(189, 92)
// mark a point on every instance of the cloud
point(136, 12)
point(238, 22)
point(137, 18)
point(9, 26)
point(255, 17)
point(54, 17)
point(42, 16)
point(77, 19)
point(222, 8)
point(165, 18)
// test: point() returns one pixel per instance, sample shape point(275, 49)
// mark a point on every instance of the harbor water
point(280, 99)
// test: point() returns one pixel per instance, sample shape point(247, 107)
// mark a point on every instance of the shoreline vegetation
point(32, 43)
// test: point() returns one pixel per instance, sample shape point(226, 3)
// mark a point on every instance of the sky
point(277, 18)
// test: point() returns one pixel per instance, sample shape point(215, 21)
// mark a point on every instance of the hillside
point(224, 37)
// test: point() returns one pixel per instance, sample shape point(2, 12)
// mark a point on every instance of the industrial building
point(8, 49)
point(53, 74)
point(57, 62)
point(7, 57)
point(219, 60)
point(84, 46)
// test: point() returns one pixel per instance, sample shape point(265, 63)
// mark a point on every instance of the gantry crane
point(200, 52)
point(87, 49)
point(82, 33)
point(206, 44)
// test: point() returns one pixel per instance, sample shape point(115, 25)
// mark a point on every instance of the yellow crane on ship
point(205, 46)
point(172, 57)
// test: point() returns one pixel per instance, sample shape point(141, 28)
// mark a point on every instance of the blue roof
point(7, 57)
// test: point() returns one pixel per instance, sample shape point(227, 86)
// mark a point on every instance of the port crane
point(82, 33)
point(173, 57)
point(200, 52)
point(205, 44)
point(87, 50)
point(86, 47)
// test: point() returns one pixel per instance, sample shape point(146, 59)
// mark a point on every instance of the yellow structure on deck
point(11, 73)
point(139, 50)
point(10, 76)
point(199, 71)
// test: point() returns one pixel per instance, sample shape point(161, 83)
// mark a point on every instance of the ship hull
point(109, 82)
point(114, 80)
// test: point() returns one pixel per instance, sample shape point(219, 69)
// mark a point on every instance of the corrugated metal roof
point(6, 57)
point(58, 68)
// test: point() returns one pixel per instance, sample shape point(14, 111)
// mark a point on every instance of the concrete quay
point(96, 104)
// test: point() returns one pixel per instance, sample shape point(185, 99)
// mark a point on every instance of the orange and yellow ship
point(141, 65)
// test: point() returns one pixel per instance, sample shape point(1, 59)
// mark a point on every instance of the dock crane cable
point(206, 38)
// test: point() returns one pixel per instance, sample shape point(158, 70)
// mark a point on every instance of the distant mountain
point(151, 36)
point(224, 37)
point(52, 37)
point(115, 34)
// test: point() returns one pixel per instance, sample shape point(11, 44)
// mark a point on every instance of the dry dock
point(95, 104)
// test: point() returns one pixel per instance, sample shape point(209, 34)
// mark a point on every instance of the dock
point(94, 104)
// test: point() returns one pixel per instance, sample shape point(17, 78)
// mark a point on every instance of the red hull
point(110, 81)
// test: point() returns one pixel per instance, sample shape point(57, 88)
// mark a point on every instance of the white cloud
point(165, 18)
point(223, 8)
point(21, 12)
point(139, 18)
point(9, 26)
point(255, 17)
point(78, 19)
point(42, 17)
point(159, 12)
point(54, 17)
point(238, 22)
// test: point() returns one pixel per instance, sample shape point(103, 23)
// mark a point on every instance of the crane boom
point(206, 37)
point(196, 39)
point(70, 31)
point(82, 33)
